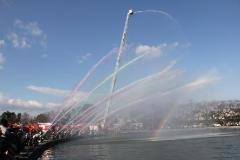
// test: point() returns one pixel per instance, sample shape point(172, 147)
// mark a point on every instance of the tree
point(42, 118)
point(19, 115)
point(11, 117)
point(25, 118)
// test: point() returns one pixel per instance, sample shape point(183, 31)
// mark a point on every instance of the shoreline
point(35, 153)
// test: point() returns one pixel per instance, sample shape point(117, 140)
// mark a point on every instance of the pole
point(118, 60)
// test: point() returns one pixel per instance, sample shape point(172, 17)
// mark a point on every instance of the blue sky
point(48, 46)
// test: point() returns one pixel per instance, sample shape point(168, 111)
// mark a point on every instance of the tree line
point(23, 118)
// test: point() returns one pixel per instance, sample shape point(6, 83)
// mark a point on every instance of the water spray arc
point(84, 115)
point(106, 111)
point(101, 83)
point(67, 103)
point(114, 79)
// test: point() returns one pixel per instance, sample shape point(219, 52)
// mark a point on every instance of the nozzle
point(130, 12)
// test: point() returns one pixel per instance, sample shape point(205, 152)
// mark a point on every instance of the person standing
point(3, 127)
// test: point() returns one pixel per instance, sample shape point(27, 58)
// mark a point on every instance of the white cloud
point(2, 60)
point(154, 51)
point(202, 82)
point(2, 43)
point(55, 92)
point(48, 90)
point(199, 83)
point(27, 34)
point(17, 41)
point(145, 49)
point(84, 58)
point(22, 104)
point(71, 96)
point(19, 102)
point(30, 28)
point(52, 105)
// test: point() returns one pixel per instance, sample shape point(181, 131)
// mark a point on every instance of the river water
point(179, 144)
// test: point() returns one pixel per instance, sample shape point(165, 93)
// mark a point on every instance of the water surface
point(198, 144)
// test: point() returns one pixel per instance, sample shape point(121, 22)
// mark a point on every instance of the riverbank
point(35, 153)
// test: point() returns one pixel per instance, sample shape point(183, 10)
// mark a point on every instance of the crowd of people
point(14, 138)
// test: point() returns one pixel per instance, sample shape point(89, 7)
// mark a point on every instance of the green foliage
point(42, 118)
point(11, 117)
point(24, 118)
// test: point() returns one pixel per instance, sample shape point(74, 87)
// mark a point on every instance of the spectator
point(3, 127)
